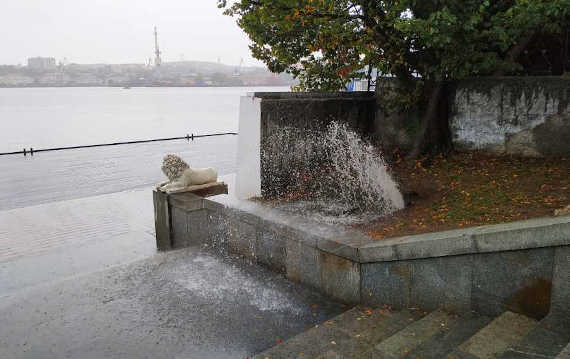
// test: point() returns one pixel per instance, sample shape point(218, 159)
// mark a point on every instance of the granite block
point(241, 239)
point(218, 229)
point(303, 264)
point(387, 283)
point(561, 282)
point(198, 233)
point(270, 250)
point(162, 220)
point(340, 277)
point(443, 282)
point(179, 229)
point(519, 281)
point(186, 201)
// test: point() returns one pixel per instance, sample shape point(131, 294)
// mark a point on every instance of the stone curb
point(528, 234)
point(355, 246)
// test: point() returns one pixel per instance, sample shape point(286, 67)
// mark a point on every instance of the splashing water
point(337, 175)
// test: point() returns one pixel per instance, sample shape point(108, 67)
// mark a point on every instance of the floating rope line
point(188, 137)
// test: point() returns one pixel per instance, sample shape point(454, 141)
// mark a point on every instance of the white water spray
point(344, 178)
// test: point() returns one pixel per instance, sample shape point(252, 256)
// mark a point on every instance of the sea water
point(56, 117)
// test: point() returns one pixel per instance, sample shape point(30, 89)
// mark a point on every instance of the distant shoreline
point(132, 86)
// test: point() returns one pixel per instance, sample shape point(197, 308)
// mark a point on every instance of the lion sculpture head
point(173, 167)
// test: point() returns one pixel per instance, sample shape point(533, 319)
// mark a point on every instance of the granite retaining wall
point(523, 266)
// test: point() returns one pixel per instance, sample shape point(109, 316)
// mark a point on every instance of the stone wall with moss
point(523, 116)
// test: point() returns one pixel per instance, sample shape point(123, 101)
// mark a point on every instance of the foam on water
point(216, 280)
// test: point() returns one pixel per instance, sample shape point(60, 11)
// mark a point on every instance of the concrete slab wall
point(301, 113)
point(248, 183)
point(522, 267)
point(488, 283)
point(528, 116)
point(523, 116)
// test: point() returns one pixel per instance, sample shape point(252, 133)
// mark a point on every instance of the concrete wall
point(522, 267)
point(316, 110)
point(395, 129)
point(523, 116)
point(301, 113)
point(528, 116)
point(248, 182)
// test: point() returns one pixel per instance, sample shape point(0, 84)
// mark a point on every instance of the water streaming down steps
point(410, 334)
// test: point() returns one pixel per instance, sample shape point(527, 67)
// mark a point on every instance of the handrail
point(188, 137)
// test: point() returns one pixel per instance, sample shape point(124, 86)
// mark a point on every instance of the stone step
point(445, 341)
point(493, 340)
point(405, 341)
point(565, 354)
point(544, 341)
point(410, 334)
point(352, 334)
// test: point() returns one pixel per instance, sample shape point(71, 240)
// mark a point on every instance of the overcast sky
point(119, 31)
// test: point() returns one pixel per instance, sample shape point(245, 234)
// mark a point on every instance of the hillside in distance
point(179, 73)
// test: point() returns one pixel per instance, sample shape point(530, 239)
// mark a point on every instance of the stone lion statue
point(180, 175)
point(173, 167)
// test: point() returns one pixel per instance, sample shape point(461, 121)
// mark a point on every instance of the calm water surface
point(54, 117)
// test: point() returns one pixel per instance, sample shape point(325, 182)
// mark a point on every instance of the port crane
point(157, 59)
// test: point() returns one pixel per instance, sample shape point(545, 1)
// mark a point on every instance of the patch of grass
point(471, 189)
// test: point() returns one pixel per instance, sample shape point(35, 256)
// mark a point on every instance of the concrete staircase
point(411, 334)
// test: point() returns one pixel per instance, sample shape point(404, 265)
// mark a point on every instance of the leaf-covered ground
point(470, 189)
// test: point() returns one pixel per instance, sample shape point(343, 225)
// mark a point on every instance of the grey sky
point(119, 31)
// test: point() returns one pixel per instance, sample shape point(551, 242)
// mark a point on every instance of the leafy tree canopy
point(325, 43)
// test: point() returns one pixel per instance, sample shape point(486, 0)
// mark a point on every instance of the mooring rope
point(188, 137)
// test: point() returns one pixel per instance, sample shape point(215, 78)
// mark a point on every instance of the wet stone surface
point(181, 304)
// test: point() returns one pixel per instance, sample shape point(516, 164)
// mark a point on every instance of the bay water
point(57, 117)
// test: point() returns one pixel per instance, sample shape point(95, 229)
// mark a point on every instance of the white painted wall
point(248, 180)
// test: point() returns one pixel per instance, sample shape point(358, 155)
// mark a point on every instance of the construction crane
point(157, 59)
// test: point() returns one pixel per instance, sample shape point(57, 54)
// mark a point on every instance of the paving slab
point(406, 340)
point(351, 334)
point(541, 342)
point(502, 333)
point(565, 354)
point(460, 354)
point(324, 340)
point(445, 341)
point(375, 325)
point(53, 241)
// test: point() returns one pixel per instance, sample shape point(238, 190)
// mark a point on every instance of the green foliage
point(324, 43)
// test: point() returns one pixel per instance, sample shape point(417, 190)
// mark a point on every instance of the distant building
point(42, 63)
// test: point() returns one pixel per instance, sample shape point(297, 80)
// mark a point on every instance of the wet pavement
point(184, 304)
point(47, 243)
point(82, 279)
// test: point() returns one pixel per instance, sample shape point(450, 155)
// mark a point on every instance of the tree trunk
point(565, 50)
point(434, 133)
